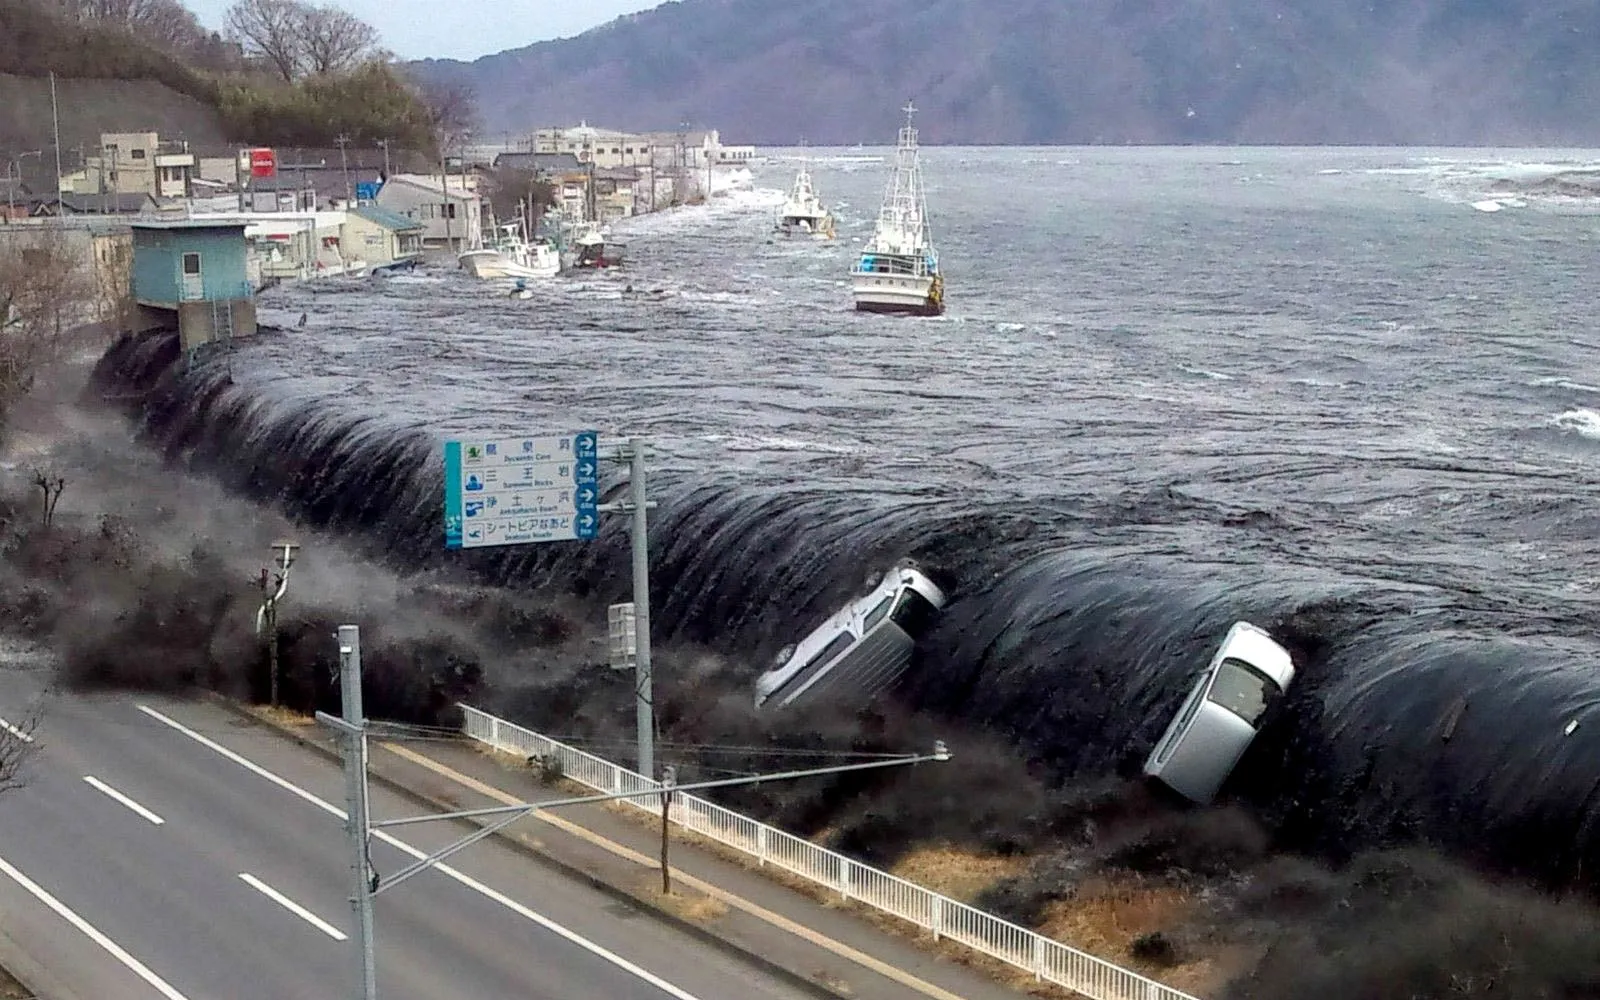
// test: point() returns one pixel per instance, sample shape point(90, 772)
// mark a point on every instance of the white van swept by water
point(1222, 714)
point(862, 649)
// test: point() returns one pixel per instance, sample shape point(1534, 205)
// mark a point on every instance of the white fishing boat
point(898, 270)
point(803, 213)
point(510, 255)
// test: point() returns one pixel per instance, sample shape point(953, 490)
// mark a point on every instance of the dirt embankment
point(90, 107)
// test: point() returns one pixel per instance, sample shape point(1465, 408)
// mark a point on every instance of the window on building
point(450, 210)
point(191, 264)
point(138, 154)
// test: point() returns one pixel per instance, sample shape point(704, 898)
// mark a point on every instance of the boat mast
point(903, 206)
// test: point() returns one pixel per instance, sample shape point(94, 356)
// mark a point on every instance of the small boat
point(898, 271)
point(804, 214)
point(593, 248)
point(512, 256)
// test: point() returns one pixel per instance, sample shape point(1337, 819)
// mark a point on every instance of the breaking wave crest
point(1470, 723)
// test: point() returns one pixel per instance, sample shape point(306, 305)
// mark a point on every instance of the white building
point(690, 149)
point(451, 212)
point(135, 163)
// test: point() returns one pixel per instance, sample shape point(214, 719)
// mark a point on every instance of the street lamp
point(267, 617)
point(13, 170)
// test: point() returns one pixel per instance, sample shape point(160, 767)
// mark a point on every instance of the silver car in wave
point(862, 649)
point(1222, 714)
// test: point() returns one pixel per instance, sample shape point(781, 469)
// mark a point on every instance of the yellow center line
point(775, 919)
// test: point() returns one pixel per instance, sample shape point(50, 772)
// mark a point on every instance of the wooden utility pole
point(669, 777)
point(344, 166)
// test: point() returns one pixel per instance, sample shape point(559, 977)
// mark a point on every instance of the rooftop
point(387, 219)
point(201, 223)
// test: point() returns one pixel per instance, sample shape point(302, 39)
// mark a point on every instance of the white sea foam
point(1585, 423)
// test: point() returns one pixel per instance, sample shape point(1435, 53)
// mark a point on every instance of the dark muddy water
point(1349, 394)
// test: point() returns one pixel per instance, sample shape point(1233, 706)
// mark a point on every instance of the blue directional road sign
point(517, 491)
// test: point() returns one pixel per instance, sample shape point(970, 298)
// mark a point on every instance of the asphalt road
point(163, 849)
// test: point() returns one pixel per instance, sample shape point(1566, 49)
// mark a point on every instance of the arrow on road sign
point(585, 494)
point(585, 521)
point(585, 469)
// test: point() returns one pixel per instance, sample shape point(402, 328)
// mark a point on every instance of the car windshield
point(1242, 690)
point(914, 613)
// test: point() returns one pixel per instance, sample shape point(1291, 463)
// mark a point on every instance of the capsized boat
point(803, 213)
point(898, 270)
point(510, 255)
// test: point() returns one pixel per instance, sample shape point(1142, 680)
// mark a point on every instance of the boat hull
point(594, 258)
point(492, 265)
point(908, 294)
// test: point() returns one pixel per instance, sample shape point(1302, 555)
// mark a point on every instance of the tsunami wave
point(1469, 723)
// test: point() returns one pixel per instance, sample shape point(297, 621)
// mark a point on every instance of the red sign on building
point(263, 163)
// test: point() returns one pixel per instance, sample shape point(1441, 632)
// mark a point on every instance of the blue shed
point(191, 274)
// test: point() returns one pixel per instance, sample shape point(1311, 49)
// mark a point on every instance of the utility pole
point(55, 124)
point(357, 821)
point(638, 504)
point(267, 617)
point(344, 166)
point(116, 184)
point(635, 647)
point(641, 606)
point(471, 237)
point(444, 190)
point(669, 777)
point(384, 145)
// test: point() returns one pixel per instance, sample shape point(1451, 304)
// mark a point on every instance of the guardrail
point(946, 918)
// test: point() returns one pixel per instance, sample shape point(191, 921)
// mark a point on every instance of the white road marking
point(293, 907)
point(113, 793)
point(139, 968)
point(25, 737)
point(592, 947)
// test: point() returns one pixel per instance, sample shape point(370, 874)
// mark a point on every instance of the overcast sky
point(463, 29)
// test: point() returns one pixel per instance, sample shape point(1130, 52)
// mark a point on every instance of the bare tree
point(167, 23)
point(51, 486)
point(452, 111)
point(271, 30)
point(513, 192)
point(17, 743)
point(297, 38)
point(334, 40)
point(42, 288)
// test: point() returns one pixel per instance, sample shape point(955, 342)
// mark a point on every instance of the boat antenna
point(910, 109)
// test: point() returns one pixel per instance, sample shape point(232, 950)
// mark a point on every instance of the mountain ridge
point(1412, 72)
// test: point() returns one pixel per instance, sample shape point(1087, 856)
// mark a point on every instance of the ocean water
point(1350, 394)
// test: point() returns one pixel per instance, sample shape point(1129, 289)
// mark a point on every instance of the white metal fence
point(943, 917)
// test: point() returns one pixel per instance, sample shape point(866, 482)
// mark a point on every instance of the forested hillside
point(1048, 71)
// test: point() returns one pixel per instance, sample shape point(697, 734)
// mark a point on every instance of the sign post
point(521, 491)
